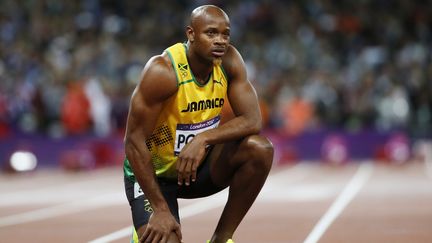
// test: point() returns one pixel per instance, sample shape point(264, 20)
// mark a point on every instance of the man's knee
point(259, 149)
point(172, 238)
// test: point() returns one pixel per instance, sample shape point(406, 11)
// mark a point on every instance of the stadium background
point(345, 83)
point(354, 74)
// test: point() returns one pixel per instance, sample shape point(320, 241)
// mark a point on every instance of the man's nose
point(221, 39)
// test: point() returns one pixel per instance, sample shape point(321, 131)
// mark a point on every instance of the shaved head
point(208, 33)
point(206, 11)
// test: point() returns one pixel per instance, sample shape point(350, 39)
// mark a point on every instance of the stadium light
point(21, 161)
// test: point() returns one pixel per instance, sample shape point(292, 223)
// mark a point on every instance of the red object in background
point(288, 155)
point(77, 160)
point(4, 130)
point(298, 114)
point(284, 151)
point(395, 150)
point(348, 23)
point(104, 155)
point(380, 154)
point(4, 127)
point(75, 110)
point(91, 155)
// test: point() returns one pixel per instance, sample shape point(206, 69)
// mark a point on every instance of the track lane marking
point(63, 209)
point(215, 201)
point(349, 192)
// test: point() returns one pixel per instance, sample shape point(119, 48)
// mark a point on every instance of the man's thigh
point(225, 159)
point(216, 171)
point(140, 205)
point(204, 184)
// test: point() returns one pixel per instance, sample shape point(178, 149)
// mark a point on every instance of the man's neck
point(201, 69)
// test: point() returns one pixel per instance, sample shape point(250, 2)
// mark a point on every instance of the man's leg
point(142, 210)
point(244, 167)
point(172, 239)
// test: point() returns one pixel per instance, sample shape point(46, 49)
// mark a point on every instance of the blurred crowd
point(69, 67)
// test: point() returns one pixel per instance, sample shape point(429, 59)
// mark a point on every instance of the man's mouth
point(218, 52)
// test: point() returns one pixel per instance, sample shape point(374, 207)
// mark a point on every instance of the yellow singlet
point(193, 109)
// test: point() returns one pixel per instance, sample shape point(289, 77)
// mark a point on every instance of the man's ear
point(190, 33)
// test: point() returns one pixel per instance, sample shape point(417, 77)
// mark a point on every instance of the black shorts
point(141, 208)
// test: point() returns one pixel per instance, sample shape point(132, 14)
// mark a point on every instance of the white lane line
point(58, 186)
point(359, 179)
point(55, 196)
point(185, 212)
point(211, 202)
point(119, 234)
point(63, 209)
point(50, 178)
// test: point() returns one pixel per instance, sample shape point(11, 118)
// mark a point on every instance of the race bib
point(186, 132)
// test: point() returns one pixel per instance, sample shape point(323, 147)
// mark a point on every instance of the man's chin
point(217, 61)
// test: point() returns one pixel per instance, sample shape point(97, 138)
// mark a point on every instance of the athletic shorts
point(141, 208)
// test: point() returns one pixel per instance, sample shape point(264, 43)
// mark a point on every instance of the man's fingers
point(194, 171)
point(157, 238)
point(164, 239)
point(187, 173)
point(177, 230)
point(180, 171)
point(145, 235)
point(178, 164)
point(186, 170)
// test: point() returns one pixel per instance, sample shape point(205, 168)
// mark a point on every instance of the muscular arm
point(247, 121)
point(157, 84)
point(243, 100)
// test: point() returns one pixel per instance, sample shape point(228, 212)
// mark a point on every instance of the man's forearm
point(234, 129)
point(143, 169)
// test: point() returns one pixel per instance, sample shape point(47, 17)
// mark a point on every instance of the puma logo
point(218, 82)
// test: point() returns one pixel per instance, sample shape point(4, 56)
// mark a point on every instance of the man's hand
point(159, 228)
point(189, 160)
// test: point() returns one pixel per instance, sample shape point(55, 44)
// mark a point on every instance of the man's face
point(211, 36)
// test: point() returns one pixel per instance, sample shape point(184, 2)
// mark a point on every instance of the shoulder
point(159, 69)
point(158, 79)
point(233, 62)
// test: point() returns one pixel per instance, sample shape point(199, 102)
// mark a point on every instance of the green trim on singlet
point(185, 82)
point(172, 64)
point(224, 73)
point(127, 170)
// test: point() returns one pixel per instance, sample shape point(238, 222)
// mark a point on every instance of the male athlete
point(174, 146)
